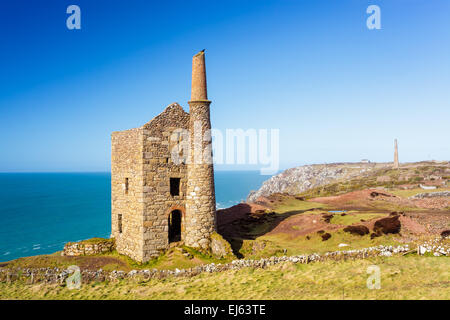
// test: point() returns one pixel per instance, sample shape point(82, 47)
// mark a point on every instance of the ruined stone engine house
point(156, 200)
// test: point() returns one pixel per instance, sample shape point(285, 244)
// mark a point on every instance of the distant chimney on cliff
point(396, 164)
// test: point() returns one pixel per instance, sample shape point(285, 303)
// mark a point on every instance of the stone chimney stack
point(198, 91)
point(200, 220)
point(396, 164)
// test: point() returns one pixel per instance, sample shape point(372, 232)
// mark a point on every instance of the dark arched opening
point(175, 226)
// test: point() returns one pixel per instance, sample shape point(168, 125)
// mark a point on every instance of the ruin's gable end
point(141, 158)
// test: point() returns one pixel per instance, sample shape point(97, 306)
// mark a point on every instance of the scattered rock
point(375, 194)
point(374, 235)
point(387, 225)
point(445, 233)
point(326, 236)
point(188, 255)
point(258, 246)
point(421, 250)
point(357, 230)
point(327, 217)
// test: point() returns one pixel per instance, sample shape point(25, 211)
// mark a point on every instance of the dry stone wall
point(75, 249)
point(57, 275)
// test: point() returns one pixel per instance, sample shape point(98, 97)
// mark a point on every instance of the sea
point(40, 212)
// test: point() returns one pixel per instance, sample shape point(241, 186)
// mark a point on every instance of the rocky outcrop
point(220, 247)
point(296, 180)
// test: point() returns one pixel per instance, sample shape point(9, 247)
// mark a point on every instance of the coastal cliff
point(300, 179)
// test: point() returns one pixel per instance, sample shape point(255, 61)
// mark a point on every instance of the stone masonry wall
point(75, 249)
point(160, 139)
point(143, 155)
point(127, 163)
point(200, 198)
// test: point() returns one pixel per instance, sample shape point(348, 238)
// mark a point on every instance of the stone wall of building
point(127, 197)
point(200, 198)
point(142, 158)
point(161, 137)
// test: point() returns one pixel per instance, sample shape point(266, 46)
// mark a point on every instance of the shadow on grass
point(237, 224)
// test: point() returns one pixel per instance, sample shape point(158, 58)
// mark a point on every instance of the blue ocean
point(40, 212)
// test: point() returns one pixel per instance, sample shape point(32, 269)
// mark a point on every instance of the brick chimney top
point(198, 91)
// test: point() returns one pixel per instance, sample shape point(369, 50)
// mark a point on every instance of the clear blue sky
point(336, 90)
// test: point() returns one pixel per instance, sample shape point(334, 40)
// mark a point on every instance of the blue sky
point(336, 90)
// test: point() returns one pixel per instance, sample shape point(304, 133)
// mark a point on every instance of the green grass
point(171, 259)
point(174, 258)
point(349, 219)
point(96, 240)
point(390, 206)
point(401, 278)
point(277, 244)
point(290, 205)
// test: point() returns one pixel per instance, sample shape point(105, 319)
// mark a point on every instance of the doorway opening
point(175, 226)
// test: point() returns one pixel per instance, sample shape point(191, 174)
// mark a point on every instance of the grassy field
point(413, 192)
point(272, 245)
point(355, 218)
point(276, 244)
point(290, 205)
point(408, 277)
